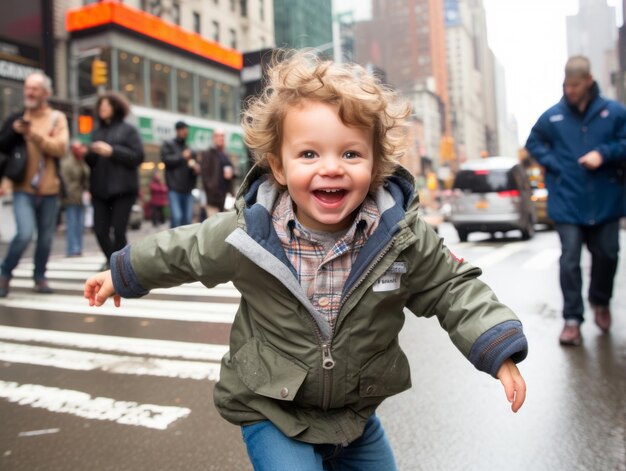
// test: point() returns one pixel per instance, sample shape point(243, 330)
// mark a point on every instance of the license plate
point(482, 204)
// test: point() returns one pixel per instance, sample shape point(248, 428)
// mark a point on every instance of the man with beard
point(45, 134)
point(581, 143)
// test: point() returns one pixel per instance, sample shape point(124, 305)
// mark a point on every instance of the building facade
point(592, 32)
point(472, 83)
point(304, 24)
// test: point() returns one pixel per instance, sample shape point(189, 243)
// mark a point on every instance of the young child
point(327, 250)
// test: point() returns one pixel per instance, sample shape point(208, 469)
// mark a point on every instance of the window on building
point(160, 96)
point(226, 103)
point(206, 99)
point(262, 10)
point(233, 5)
point(131, 77)
point(153, 7)
point(243, 4)
point(196, 22)
point(216, 32)
point(233, 38)
point(184, 91)
point(175, 14)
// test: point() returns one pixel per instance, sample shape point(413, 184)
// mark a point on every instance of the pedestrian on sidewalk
point(181, 175)
point(581, 143)
point(327, 249)
point(75, 174)
point(114, 156)
point(158, 199)
point(44, 133)
point(217, 174)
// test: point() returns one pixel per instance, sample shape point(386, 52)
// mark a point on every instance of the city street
point(131, 388)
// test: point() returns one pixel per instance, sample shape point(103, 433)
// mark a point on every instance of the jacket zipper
point(328, 362)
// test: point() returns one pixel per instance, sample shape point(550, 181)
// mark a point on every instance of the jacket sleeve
point(486, 331)
point(129, 151)
point(196, 252)
point(8, 137)
point(170, 155)
point(615, 150)
point(539, 145)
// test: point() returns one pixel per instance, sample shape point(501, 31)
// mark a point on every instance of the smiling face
point(326, 166)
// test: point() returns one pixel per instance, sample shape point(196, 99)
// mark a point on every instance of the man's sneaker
point(602, 317)
point(42, 287)
point(570, 335)
point(4, 286)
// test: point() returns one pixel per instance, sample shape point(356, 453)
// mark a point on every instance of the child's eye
point(351, 154)
point(308, 154)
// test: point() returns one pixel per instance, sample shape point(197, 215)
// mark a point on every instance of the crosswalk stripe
point(496, 256)
point(90, 361)
point(110, 343)
point(81, 404)
point(184, 311)
point(542, 260)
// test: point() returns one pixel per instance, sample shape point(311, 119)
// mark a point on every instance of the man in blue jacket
point(581, 142)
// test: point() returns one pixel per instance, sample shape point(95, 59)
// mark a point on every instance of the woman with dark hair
point(114, 156)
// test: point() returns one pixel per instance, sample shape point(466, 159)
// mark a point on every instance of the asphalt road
point(130, 389)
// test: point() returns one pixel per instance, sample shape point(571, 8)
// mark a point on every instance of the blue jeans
point(603, 243)
point(74, 227)
point(32, 213)
point(270, 450)
point(181, 208)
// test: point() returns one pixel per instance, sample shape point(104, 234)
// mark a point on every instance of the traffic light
point(99, 72)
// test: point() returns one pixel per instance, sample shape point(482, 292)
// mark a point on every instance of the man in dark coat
point(581, 142)
point(181, 173)
point(217, 174)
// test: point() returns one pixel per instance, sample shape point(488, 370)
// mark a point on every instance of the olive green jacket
point(316, 383)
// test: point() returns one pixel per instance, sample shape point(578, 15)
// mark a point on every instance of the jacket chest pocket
point(386, 374)
point(268, 373)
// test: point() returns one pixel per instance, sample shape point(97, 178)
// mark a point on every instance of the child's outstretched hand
point(99, 288)
point(514, 384)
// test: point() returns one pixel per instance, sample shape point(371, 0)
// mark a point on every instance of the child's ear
point(277, 169)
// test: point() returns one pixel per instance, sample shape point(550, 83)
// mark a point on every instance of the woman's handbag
point(15, 167)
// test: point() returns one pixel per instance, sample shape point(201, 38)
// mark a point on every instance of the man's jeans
point(181, 208)
point(270, 450)
point(74, 226)
point(603, 243)
point(32, 213)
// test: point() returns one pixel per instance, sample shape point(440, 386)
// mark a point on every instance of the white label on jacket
point(556, 117)
point(390, 280)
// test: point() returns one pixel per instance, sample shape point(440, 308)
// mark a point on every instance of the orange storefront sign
point(112, 12)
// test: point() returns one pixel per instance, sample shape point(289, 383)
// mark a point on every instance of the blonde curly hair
point(362, 101)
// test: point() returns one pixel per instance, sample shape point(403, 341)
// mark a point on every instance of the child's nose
point(331, 166)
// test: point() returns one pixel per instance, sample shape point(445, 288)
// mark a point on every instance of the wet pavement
point(454, 417)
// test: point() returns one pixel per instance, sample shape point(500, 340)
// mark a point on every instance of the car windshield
point(485, 181)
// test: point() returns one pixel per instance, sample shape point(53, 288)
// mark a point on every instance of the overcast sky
point(528, 37)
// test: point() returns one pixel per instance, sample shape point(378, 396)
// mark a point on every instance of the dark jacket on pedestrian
point(560, 137)
point(278, 367)
point(212, 170)
point(179, 176)
point(118, 174)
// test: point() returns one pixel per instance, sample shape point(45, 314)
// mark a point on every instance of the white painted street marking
point(81, 404)
point(191, 289)
point(188, 311)
point(543, 260)
point(497, 255)
point(89, 361)
point(34, 433)
point(109, 343)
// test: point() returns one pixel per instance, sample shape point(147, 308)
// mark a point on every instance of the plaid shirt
point(322, 274)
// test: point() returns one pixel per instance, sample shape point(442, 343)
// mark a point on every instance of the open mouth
point(330, 196)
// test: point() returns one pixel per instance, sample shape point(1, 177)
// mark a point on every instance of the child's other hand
point(99, 288)
point(514, 384)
